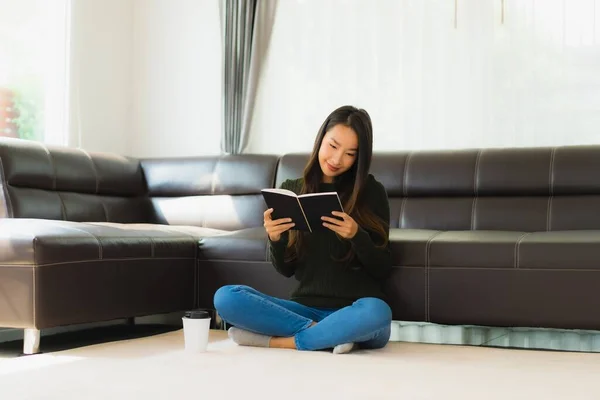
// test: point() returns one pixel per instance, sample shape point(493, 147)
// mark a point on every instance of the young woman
point(339, 302)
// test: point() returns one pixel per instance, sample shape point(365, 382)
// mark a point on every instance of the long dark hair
point(351, 184)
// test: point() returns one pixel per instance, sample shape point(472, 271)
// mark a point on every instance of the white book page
point(281, 191)
point(318, 194)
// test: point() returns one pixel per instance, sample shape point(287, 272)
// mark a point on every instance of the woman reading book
point(339, 302)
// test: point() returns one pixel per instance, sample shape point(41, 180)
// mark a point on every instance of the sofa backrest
point(517, 189)
point(221, 192)
point(37, 181)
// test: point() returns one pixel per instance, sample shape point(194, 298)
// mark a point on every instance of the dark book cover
point(285, 204)
point(305, 210)
point(319, 205)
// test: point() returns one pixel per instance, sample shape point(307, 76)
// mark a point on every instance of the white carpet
point(158, 368)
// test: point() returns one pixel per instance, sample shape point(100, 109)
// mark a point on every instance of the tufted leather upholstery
point(213, 192)
point(502, 237)
point(486, 236)
point(88, 237)
point(69, 184)
point(539, 189)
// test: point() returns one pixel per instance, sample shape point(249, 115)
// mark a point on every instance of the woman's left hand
point(346, 228)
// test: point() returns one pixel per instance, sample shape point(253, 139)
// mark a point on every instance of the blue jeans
point(366, 322)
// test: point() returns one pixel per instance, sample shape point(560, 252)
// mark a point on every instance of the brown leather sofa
point(496, 237)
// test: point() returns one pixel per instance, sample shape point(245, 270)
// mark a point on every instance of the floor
point(86, 337)
point(402, 331)
point(157, 367)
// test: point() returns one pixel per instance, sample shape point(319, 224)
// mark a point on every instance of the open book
point(305, 210)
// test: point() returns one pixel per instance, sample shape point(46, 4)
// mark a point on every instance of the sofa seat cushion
point(505, 249)
point(475, 249)
point(567, 250)
point(409, 246)
point(43, 242)
point(244, 245)
point(195, 232)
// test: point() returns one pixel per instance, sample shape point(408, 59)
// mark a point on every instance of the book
point(305, 210)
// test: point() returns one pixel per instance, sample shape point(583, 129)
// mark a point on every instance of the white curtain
point(487, 73)
point(246, 28)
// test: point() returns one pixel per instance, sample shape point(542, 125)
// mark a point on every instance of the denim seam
point(299, 345)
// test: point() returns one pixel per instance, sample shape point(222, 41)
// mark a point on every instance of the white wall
point(146, 74)
point(101, 75)
point(531, 81)
point(176, 78)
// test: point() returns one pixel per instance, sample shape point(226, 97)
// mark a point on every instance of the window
point(34, 50)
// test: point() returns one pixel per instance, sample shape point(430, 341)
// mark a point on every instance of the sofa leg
point(31, 341)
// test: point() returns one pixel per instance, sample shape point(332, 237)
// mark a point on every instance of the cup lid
point(197, 314)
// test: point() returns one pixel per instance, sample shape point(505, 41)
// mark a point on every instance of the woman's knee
point(227, 297)
point(376, 309)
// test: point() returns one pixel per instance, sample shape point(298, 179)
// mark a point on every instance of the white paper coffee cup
point(196, 327)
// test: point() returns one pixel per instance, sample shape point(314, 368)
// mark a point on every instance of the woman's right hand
point(276, 227)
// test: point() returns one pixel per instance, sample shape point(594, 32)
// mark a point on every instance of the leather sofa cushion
point(44, 242)
point(209, 175)
point(77, 207)
point(243, 245)
point(30, 164)
point(475, 249)
point(409, 247)
point(70, 184)
point(567, 250)
point(516, 250)
point(222, 212)
point(220, 192)
point(195, 232)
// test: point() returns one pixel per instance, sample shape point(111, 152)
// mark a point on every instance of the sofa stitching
point(100, 255)
point(549, 217)
point(475, 189)
point(522, 269)
point(404, 189)
point(551, 179)
point(405, 175)
point(213, 181)
point(212, 189)
point(93, 169)
point(106, 259)
point(401, 218)
point(473, 209)
point(217, 260)
point(476, 172)
point(4, 183)
point(427, 266)
point(63, 209)
point(97, 183)
point(52, 167)
point(104, 209)
point(517, 248)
